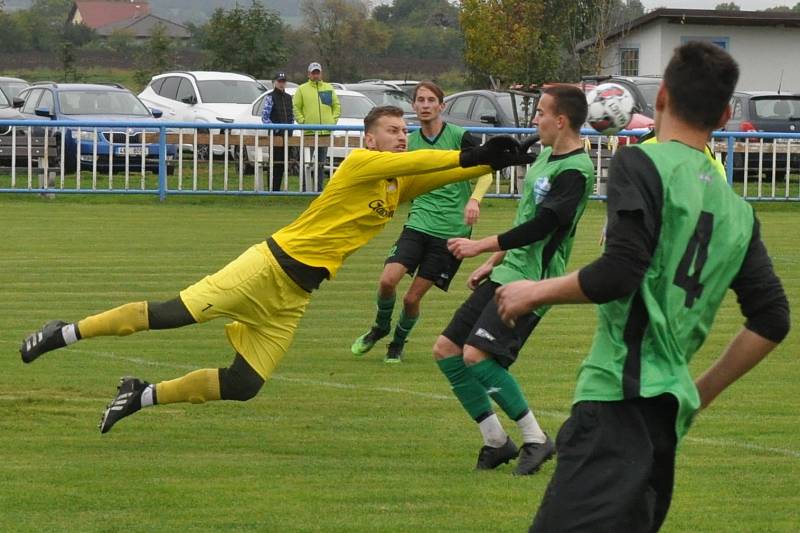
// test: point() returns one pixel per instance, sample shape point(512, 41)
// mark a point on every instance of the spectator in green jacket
point(315, 102)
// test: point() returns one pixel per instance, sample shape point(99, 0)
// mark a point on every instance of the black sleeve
point(565, 195)
point(760, 293)
point(634, 222)
point(543, 224)
point(557, 209)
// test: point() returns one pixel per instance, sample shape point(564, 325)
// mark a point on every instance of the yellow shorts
point(264, 303)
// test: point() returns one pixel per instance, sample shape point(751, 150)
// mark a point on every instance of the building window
point(722, 42)
point(629, 61)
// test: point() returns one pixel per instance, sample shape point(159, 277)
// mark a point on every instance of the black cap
point(280, 76)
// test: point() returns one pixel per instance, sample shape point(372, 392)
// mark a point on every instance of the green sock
point(502, 387)
point(469, 392)
point(383, 319)
point(404, 327)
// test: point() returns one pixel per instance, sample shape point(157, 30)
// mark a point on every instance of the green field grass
point(332, 443)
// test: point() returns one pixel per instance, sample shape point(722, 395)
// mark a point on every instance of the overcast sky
point(746, 5)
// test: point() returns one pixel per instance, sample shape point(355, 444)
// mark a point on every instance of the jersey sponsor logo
point(705, 178)
point(380, 209)
point(493, 390)
point(540, 189)
point(484, 334)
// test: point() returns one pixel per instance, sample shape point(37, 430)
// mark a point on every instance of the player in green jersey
point(678, 238)
point(476, 349)
point(421, 249)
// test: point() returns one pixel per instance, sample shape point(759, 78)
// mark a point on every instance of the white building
point(765, 44)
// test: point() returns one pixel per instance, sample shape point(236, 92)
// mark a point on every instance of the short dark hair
point(569, 101)
point(700, 79)
point(379, 112)
point(432, 87)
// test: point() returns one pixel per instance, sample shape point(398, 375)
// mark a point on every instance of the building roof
point(98, 13)
point(708, 17)
point(143, 26)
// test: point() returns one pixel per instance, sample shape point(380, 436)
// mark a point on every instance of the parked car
point(383, 94)
point(763, 111)
point(8, 112)
point(268, 84)
point(354, 107)
point(89, 102)
point(202, 97)
point(643, 88)
point(407, 86)
point(12, 87)
point(485, 109)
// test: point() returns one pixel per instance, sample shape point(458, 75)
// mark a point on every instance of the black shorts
point(615, 469)
point(478, 324)
point(426, 256)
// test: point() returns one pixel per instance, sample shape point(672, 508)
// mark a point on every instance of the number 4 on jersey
point(694, 258)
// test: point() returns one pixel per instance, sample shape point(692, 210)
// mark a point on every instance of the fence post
point(729, 161)
point(162, 163)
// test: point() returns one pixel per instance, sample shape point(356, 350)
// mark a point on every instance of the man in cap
point(278, 110)
point(315, 102)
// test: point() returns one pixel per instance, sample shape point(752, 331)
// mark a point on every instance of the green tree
point(779, 9)
point(46, 21)
point(728, 6)
point(587, 24)
point(245, 40)
point(156, 56)
point(509, 40)
point(15, 34)
point(68, 62)
point(344, 37)
point(121, 42)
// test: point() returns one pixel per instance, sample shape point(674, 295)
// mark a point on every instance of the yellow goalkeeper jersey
point(361, 198)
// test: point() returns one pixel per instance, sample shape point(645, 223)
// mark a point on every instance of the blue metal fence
point(761, 161)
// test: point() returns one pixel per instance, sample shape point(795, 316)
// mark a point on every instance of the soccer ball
point(610, 108)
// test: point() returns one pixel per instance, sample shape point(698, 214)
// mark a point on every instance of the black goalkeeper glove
point(498, 152)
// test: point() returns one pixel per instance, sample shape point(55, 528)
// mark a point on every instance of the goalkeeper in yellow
point(266, 289)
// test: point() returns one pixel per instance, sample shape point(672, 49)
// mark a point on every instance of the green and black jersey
point(440, 213)
point(561, 184)
point(695, 234)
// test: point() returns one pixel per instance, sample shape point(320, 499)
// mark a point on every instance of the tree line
point(475, 43)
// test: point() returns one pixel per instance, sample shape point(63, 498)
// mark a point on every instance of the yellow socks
point(122, 320)
point(195, 387)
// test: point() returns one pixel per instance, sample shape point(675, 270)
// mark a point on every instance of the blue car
point(114, 147)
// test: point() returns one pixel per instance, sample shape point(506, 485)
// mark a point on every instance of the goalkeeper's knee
point(239, 381)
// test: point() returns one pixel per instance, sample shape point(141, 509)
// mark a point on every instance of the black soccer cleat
point(491, 457)
point(127, 401)
point(533, 455)
point(46, 339)
point(394, 352)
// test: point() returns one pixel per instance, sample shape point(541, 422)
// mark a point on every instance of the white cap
point(314, 66)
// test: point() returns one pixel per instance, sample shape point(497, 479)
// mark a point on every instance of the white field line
point(717, 443)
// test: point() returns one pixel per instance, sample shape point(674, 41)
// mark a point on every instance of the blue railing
point(748, 149)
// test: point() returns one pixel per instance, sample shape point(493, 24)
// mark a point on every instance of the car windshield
point(390, 97)
point(12, 88)
point(101, 103)
point(229, 91)
point(504, 100)
point(777, 107)
point(355, 106)
point(649, 91)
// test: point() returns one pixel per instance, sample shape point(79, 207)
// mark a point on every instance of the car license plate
point(132, 150)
